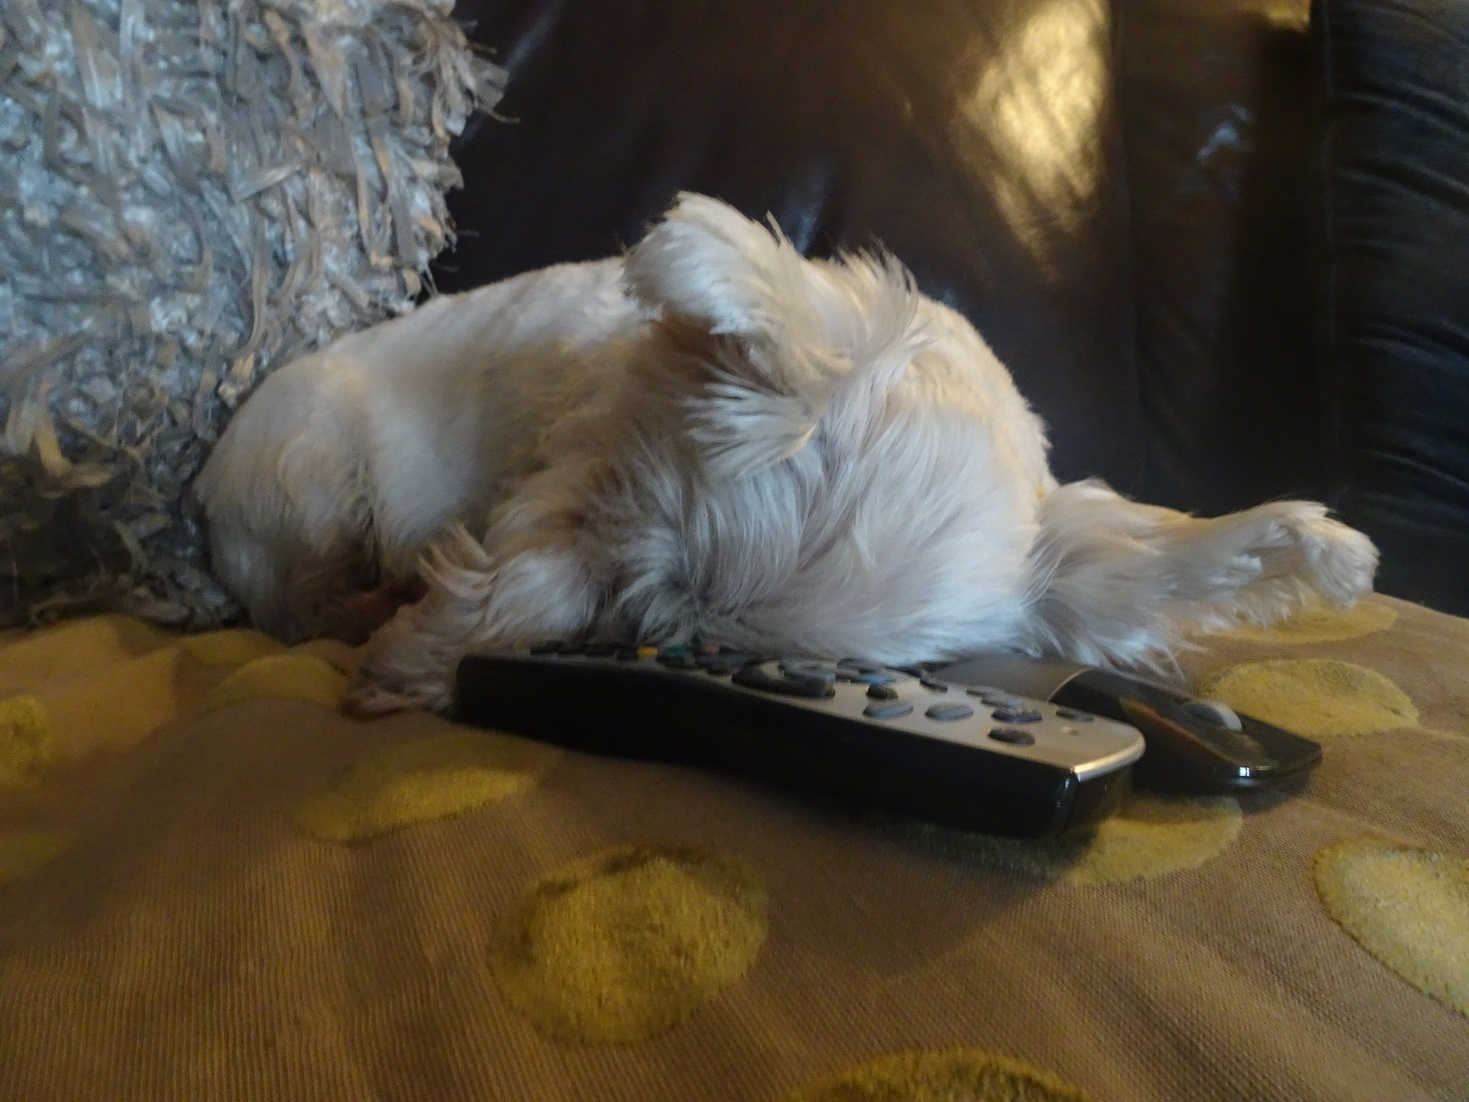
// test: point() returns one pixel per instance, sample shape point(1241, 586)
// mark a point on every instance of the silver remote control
point(975, 757)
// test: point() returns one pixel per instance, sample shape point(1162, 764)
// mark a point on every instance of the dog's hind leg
point(1115, 581)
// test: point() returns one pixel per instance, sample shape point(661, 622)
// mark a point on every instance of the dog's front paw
point(407, 667)
point(370, 696)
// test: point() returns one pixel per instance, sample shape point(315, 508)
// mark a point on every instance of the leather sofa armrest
point(1393, 282)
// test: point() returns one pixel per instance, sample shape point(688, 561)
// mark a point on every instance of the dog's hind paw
point(1339, 561)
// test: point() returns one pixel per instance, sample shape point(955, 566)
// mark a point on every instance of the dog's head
point(849, 429)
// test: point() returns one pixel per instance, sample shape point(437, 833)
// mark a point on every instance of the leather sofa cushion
point(980, 143)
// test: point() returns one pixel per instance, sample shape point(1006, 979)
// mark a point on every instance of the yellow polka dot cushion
point(215, 885)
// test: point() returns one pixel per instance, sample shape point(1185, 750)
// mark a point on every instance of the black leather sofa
point(1222, 247)
point(1222, 244)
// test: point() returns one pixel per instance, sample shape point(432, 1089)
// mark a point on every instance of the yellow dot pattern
point(626, 943)
point(1319, 623)
point(280, 677)
point(1408, 907)
point(1152, 836)
point(109, 684)
point(422, 780)
point(74, 648)
point(953, 1075)
point(26, 742)
point(1317, 697)
point(22, 852)
point(228, 648)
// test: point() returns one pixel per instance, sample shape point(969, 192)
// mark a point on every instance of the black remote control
point(1194, 745)
point(865, 733)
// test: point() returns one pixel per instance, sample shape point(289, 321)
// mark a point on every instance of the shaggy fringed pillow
point(193, 193)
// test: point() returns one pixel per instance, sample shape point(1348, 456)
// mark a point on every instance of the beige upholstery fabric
point(214, 886)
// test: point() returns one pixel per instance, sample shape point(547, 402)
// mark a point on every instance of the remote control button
point(949, 712)
point(647, 652)
point(755, 677)
point(720, 664)
point(999, 699)
point(732, 657)
point(983, 691)
point(1012, 736)
point(808, 667)
point(674, 648)
point(882, 692)
point(1017, 715)
point(627, 654)
point(867, 677)
point(887, 709)
point(930, 683)
point(1075, 716)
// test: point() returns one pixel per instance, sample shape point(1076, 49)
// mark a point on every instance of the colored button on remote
point(1012, 736)
point(719, 664)
point(808, 668)
point(887, 709)
point(1017, 715)
point(996, 698)
point(755, 677)
point(949, 711)
point(866, 677)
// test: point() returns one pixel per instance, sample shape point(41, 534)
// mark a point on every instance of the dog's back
point(345, 463)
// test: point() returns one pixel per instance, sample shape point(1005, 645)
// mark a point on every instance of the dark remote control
point(870, 735)
point(1193, 745)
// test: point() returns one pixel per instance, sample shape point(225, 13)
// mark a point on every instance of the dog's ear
point(795, 341)
point(708, 265)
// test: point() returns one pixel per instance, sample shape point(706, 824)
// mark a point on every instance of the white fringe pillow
point(193, 193)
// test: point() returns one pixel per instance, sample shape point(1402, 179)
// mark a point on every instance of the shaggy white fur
point(716, 437)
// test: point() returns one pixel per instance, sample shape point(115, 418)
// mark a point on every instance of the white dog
point(712, 437)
